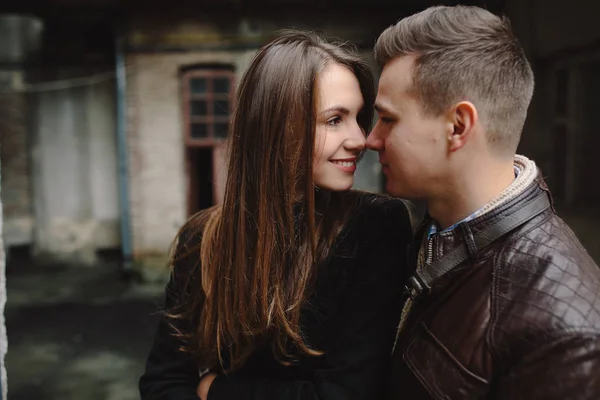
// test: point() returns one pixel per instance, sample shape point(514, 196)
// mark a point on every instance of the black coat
point(351, 316)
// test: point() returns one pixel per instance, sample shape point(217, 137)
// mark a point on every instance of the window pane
point(199, 107)
point(198, 85)
point(199, 131)
point(221, 107)
point(221, 130)
point(221, 85)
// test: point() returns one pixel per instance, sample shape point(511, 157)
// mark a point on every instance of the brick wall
point(156, 148)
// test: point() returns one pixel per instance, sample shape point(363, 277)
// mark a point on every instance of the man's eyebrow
point(340, 109)
point(382, 109)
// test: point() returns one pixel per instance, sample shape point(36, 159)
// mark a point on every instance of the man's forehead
point(397, 73)
point(390, 97)
point(395, 83)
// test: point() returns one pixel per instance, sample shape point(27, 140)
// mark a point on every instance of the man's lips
point(384, 167)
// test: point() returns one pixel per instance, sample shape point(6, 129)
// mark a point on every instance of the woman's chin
point(336, 186)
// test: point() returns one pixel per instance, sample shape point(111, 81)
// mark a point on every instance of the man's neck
point(470, 192)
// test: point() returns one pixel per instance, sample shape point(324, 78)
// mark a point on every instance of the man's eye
point(386, 120)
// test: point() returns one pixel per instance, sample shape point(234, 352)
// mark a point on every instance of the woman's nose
point(356, 139)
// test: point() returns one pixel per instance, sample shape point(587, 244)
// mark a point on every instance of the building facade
point(113, 133)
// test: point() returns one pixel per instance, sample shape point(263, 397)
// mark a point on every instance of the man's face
point(413, 148)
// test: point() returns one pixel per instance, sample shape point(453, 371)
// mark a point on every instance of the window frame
point(210, 119)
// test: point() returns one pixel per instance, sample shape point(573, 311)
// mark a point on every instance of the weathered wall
point(156, 147)
point(15, 158)
point(75, 187)
point(102, 151)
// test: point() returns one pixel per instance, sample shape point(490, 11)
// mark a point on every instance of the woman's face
point(339, 139)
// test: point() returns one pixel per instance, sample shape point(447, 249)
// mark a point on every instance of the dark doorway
point(200, 175)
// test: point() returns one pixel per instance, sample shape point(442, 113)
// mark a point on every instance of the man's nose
point(373, 141)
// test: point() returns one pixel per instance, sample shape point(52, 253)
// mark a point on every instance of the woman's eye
point(385, 120)
point(334, 121)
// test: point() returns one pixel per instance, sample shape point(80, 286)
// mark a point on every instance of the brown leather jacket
point(520, 319)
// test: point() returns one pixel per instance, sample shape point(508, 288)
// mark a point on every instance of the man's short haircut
point(465, 53)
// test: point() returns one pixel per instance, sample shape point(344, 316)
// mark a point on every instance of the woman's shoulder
point(382, 231)
point(380, 209)
point(376, 220)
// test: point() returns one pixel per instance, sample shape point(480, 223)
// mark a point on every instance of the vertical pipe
point(123, 170)
point(3, 337)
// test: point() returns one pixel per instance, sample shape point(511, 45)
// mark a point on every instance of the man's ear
point(464, 118)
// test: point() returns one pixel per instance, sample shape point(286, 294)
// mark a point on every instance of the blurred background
point(112, 120)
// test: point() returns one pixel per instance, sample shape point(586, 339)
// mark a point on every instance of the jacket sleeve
point(568, 368)
point(358, 349)
point(170, 374)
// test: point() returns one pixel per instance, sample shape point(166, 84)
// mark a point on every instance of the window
point(207, 105)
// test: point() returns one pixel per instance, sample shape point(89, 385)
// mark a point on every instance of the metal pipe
point(122, 155)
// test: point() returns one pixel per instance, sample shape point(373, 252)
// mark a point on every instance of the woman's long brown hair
point(260, 249)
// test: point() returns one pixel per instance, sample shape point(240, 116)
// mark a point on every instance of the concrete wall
point(15, 157)
point(75, 170)
point(102, 151)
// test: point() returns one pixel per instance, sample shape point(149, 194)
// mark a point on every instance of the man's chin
point(394, 190)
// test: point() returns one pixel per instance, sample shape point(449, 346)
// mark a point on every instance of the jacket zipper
point(429, 251)
point(413, 303)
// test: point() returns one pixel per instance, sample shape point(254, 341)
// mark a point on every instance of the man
point(503, 302)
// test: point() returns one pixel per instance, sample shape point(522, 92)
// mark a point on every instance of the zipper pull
point(429, 250)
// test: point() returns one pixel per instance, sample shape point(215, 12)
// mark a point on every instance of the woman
point(290, 289)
